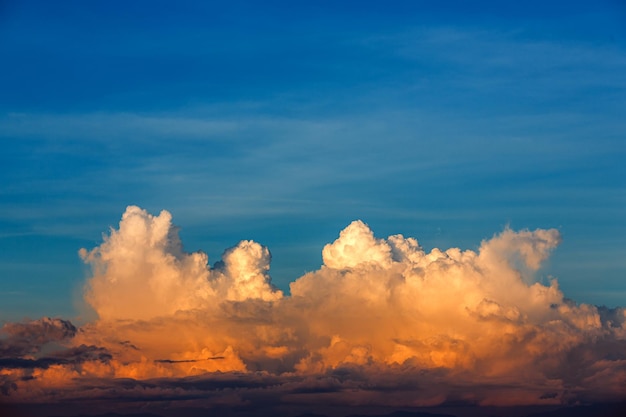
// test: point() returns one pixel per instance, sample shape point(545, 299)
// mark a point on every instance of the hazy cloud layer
point(382, 322)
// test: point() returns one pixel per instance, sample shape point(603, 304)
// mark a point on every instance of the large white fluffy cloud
point(142, 272)
point(380, 315)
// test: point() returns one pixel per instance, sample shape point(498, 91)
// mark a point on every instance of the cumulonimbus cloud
point(380, 316)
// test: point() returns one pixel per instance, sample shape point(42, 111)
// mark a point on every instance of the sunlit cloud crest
point(141, 271)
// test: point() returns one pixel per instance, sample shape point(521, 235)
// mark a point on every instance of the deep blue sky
point(283, 121)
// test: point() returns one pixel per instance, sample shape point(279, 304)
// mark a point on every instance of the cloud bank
point(382, 322)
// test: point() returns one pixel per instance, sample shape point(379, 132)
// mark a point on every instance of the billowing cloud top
point(380, 316)
point(141, 271)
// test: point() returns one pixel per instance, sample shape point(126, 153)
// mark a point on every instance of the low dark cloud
point(29, 337)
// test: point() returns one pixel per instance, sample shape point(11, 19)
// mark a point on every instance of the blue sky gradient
point(284, 121)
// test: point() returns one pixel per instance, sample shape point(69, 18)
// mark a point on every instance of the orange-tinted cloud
point(382, 322)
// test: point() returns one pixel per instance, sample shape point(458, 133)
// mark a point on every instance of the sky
point(218, 151)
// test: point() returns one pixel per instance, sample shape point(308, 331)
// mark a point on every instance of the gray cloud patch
point(29, 337)
point(70, 356)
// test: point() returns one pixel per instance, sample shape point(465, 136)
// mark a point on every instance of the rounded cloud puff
point(245, 268)
point(356, 246)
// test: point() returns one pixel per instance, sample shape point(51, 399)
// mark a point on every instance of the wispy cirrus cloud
point(453, 127)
